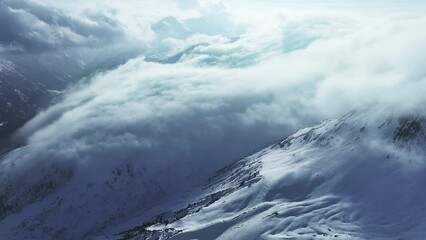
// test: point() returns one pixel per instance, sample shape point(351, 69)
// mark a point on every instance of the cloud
point(193, 110)
point(31, 27)
point(224, 95)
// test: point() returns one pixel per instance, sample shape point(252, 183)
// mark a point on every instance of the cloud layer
point(29, 27)
point(202, 111)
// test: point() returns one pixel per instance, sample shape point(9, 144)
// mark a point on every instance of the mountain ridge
point(297, 194)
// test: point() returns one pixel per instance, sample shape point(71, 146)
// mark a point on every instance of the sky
point(215, 80)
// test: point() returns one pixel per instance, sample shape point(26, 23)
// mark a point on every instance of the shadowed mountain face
point(31, 83)
point(43, 51)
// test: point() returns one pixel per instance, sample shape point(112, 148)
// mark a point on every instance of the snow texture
point(330, 181)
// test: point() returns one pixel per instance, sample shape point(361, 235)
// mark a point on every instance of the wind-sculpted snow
point(324, 182)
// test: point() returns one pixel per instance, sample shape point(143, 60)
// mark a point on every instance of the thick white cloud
point(315, 66)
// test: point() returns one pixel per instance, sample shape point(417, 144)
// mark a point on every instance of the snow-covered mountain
point(342, 179)
point(348, 178)
point(357, 177)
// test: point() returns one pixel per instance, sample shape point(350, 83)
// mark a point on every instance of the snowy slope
point(350, 178)
point(356, 177)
